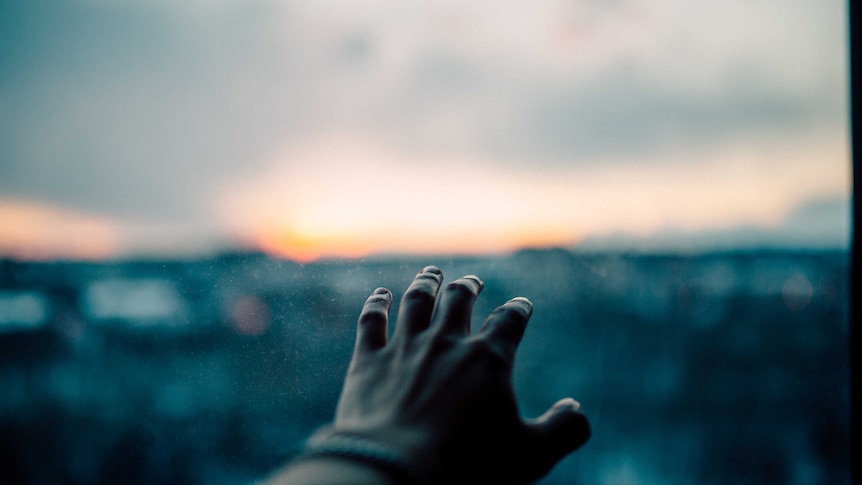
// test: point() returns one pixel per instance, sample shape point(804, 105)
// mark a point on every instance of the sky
point(333, 128)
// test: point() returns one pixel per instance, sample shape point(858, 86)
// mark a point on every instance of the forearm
point(329, 471)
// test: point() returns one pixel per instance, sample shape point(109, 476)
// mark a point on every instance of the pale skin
point(441, 396)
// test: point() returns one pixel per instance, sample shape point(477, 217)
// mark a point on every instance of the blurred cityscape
point(725, 368)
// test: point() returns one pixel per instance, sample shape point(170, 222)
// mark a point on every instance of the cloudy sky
point(336, 127)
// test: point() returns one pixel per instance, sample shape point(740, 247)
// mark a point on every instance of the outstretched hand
point(443, 397)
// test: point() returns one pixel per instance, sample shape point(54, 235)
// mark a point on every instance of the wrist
point(326, 470)
point(375, 452)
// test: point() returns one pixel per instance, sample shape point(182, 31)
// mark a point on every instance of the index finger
point(372, 325)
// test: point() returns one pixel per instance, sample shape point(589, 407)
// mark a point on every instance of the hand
point(444, 398)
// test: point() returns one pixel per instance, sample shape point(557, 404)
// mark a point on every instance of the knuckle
point(509, 314)
point(481, 348)
point(430, 278)
point(378, 297)
point(499, 359)
point(440, 344)
point(419, 293)
point(378, 301)
point(372, 316)
point(461, 288)
point(486, 352)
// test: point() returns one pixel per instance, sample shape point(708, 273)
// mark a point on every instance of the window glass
point(196, 199)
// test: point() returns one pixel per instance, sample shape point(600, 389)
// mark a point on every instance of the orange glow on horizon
point(337, 198)
point(345, 198)
point(35, 231)
point(303, 248)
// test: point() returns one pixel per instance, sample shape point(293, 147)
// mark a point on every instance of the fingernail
point(431, 269)
point(569, 404)
point(524, 302)
point(382, 292)
point(476, 279)
point(522, 299)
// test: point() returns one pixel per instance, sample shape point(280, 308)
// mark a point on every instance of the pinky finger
point(373, 322)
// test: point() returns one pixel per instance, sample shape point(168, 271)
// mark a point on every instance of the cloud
point(130, 111)
point(817, 223)
point(150, 112)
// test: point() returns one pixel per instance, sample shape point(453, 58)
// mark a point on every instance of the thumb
point(561, 430)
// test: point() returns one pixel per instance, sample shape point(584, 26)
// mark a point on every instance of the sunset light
point(352, 199)
point(39, 231)
point(434, 128)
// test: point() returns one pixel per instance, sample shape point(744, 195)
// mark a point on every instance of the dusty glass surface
point(196, 198)
point(726, 367)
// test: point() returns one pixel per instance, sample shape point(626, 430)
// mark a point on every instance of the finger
point(373, 321)
point(417, 304)
point(456, 305)
point(558, 432)
point(506, 324)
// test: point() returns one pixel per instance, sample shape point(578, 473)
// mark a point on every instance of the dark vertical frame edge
point(855, 152)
